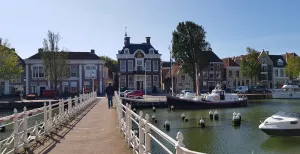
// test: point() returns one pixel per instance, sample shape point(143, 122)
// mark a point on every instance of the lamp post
point(93, 75)
point(145, 81)
point(22, 93)
point(171, 74)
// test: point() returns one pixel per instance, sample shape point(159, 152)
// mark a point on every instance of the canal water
point(220, 137)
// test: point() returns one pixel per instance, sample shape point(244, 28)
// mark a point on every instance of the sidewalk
point(96, 133)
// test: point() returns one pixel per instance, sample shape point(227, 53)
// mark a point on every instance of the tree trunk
point(194, 84)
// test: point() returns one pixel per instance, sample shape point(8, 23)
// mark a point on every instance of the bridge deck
point(96, 132)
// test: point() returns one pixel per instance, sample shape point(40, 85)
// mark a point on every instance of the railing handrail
point(142, 144)
point(22, 133)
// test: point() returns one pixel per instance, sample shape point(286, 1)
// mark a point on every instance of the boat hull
point(179, 103)
point(278, 95)
point(282, 132)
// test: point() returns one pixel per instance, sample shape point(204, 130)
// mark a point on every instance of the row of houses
point(86, 70)
point(227, 72)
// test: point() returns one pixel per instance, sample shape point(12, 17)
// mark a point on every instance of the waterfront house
point(164, 69)
point(83, 65)
point(265, 76)
point(136, 59)
point(13, 86)
point(233, 75)
point(279, 75)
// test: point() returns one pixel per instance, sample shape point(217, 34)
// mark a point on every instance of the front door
point(139, 85)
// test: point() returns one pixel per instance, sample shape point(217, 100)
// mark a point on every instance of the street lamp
point(145, 81)
point(22, 93)
point(93, 75)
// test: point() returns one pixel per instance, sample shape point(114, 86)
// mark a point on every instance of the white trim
point(138, 51)
point(126, 51)
point(80, 77)
point(147, 65)
point(143, 64)
point(70, 61)
point(155, 69)
point(128, 65)
point(148, 56)
point(132, 81)
point(120, 64)
point(151, 51)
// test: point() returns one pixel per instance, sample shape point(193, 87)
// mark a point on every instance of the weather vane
point(126, 31)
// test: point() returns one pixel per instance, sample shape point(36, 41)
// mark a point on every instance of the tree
point(190, 48)
point(110, 63)
point(55, 62)
point(293, 67)
point(10, 67)
point(250, 64)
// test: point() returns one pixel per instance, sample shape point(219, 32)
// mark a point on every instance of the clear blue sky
point(231, 25)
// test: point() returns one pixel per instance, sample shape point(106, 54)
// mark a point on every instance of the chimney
point(267, 52)
point(40, 50)
point(126, 40)
point(93, 51)
point(0, 41)
point(148, 40)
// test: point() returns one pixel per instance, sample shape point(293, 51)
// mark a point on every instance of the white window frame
point(276, 75)
point(155, 83)
point(220, 74)
point(72, 67)
point(148, 65)
point(148, 80)
point(155, 68)
point(130, 65)
point(279, 62)
point(207, 75)
point(281, 72)
point(123, 80)
point(141, 65)
point(126, 51)
point(88, 69)
point(129, 76)
point(151, 51)
point(218, 66)
point(38, 73)
point(123, 65)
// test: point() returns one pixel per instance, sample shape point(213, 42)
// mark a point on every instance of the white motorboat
point(287, 91)
point(281, 124)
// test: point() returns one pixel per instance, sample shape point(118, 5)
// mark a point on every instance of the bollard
point(167, 125)
point(211, 116)
point(182, 116)
point(201, 123)
point(153, 109)
point(216, 115)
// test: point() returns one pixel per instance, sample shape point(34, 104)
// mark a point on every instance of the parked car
point(259, 89)
point(31, 96)
point(135, 94)
point(123, 94)
point(241, 89)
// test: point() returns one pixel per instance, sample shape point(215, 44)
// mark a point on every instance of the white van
point(241, 89)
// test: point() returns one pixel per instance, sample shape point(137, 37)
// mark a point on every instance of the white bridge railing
point(141, 143)
point(43, 121)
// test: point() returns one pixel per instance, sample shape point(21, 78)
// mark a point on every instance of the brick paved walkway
point(96, 133)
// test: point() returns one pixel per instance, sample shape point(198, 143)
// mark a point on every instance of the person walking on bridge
point(109, 90)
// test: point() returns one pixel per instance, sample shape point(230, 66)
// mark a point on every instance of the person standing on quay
point(109, 90)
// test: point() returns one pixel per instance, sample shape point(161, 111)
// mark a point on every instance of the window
point(281, 73)
point(122, 65)
point(211, 66)
point(204, 75)
point(218, 74)
point(148, 65)
point(139, 65)
point(151, 51)
point(65, 86)
point(90, 71)
point(155, 81)
point(33, 89)
point(126, 51)
point(230, 74)
point(73, 87)
point(279, 62)
point(38, 72)
point(237, 73)
point(16, 80)
point(204, 83)
point(73, 71)
point(276, 73)
point(247, 83)
point(148, 80)
point(211, 75)
point(123, 81)
point(218, 66)
point(243, 82)
point(263, 60)
point(130, 81)
point(130, 65)
point(155, 65)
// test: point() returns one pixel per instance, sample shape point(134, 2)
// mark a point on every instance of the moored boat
point(291, 91)
point(218, 98)
point(281, 124)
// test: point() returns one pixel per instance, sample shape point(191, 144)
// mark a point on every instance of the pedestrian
point(109, 90)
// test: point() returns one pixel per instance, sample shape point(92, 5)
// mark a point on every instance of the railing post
point(59, 111)
point(16, 132)
point(69, 106)
point(63, 110)
point(46, 119)
point(75, 104)
point(179, 143)
point(147, 136)
point(36, 132)
point(129, 126)
point(126, 123)
point(50, 124)
point(25, 123)
point(141, 133)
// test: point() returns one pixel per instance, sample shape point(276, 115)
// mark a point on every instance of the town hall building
point(137, 61)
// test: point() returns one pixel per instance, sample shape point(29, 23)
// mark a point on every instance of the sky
point(231, 25)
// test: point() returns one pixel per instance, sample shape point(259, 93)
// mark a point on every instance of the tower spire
point(125, 31)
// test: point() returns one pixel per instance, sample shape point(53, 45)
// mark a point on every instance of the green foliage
point(250, 64)
point(293, 67)
point(9, 62)
point(189, 46)
point(55, 62)
point(110, 63)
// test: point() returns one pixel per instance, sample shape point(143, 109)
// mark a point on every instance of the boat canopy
point(288, 114)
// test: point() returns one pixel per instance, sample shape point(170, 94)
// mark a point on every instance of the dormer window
point(279, 62)
point(151, 51)
point(126, 51)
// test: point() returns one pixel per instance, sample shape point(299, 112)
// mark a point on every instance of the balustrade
point(142, 143)
point(23, 134)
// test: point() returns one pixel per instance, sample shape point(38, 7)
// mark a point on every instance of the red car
point(135, 94)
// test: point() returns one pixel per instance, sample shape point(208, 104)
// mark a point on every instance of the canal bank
point(221, 137)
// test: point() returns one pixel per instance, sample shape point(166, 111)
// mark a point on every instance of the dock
point(257, 96)
point(147, 102)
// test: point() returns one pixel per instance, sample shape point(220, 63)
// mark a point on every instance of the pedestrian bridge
point(84, 124)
